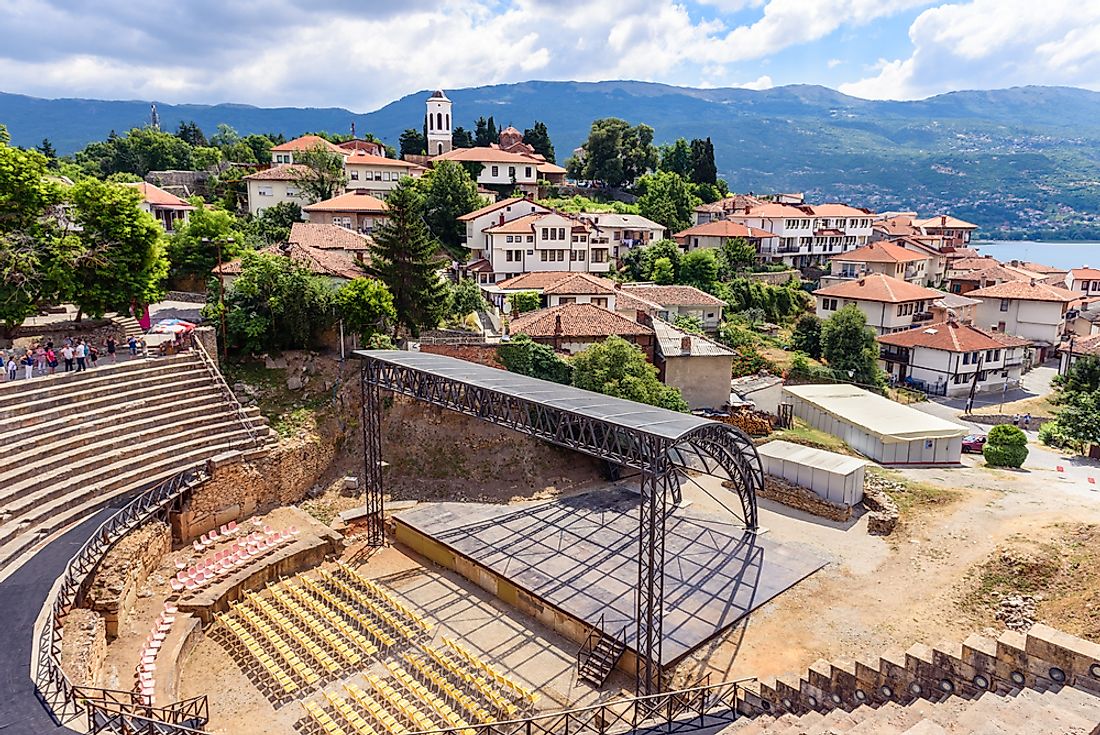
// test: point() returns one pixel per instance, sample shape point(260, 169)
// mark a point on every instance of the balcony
point(922, 316)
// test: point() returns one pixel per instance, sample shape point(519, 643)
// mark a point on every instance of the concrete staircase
point(1044, 681)
point(130, 327)
point(75, 442)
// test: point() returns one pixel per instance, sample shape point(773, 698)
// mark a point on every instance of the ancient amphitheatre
point(430, 613)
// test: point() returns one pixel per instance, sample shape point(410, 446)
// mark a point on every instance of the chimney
point(557, 331)
point(943, 221)
point(685, 344)
point(501, 220)
point(862, 281)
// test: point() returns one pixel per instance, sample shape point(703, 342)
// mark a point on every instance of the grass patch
point(294, 421)
point(802, 433)
point(287, 411)
point(1036, 406)
point(913, 496)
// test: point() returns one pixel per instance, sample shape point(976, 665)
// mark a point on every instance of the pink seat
point(232, 526)
point(197, 545)
point(294, 531)
point(177, 586)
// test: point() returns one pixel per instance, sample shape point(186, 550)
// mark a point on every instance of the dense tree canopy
point(639, 262)
point(412, 143)
point(321, 174)
point(274, 223)
point(523, 301)
point(699, 268)
point(465, 298)
point(676, 158)
point(139, 151)
point(849, 347)
point(667, 199)
point(449, 192)
point(806, 337)
point(462, 138)
point(616, 153)
point(190, 256)
point(485, 132)
point(703, 168)
point(366, 306)
point(523, 355)
point(538, 137)
point(618, 368)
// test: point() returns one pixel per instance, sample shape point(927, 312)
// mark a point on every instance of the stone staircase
point(130, 327)
point(1044, 681)
point(75, 442)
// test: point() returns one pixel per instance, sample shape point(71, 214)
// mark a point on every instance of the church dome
point(438, 95)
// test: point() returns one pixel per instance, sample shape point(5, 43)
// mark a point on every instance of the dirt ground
point(880, 594)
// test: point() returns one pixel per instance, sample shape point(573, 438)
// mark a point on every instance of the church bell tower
point(439, 123)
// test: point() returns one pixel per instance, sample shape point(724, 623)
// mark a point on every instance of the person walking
point(67, 353)
point(13, 366)
point(81, 354)
point(51, 359)
point(132, 342)
point(1016, 420)
point(112, 346)
point(93, 353)
point(1027, 421)
point(28, 366)
point(40, 358)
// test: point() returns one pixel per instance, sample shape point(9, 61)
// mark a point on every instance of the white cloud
point(991, 43)
point(761, 82)
point(834, 63)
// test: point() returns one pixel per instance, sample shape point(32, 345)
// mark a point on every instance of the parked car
point(974, 443)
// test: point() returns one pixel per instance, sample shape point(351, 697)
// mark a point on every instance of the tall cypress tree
point(405, 256)
point(703, 168)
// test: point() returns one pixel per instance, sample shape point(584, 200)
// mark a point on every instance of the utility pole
point(221, 294)
point(974, 383)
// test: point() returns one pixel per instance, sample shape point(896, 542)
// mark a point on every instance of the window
point(354, 175)
point(600, 301)
point(1004, 304)
point(496, 171)
point(578, 255)
point(544, 255)
point(342, 221)
point(545, 235)
point(561, 233)
point(385, 175)
point(828, 304)
point(511, 172)
point(265, 191)
point(528, 172)
point(567, 299)
point(508, 238)
point(1000, 326)
point(530, 238)
point(599, 255)
point(292, 191)
point(508, 255)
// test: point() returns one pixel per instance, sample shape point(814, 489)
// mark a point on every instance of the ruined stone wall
point(804, 499)
point(83, 646)
point(122, 573)
point(482, 354)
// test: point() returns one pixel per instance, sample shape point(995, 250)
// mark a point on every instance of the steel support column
point(651, 565)
point(371, 421)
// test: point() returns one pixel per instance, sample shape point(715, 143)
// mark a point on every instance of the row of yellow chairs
point(368, 604)
point(353, 576)
point(514, 688)
point(303, 595)
point(323, 719)
point(401, 704)
point(333, 630)
point(441, 708)
point(350, 714)
point(440, 682)
point(475, 680)
point(295, 632)
point(379, 712)
point(320, 591)
point(303, 670)
point(253, 647)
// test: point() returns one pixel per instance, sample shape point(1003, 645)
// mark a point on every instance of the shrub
point(1052, 435)
point(1006, 446)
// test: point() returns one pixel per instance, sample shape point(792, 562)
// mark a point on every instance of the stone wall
point(883, 518)
point(482, 354)
point(995, 419)
point(83, 646)
point(237, 490)
point(115, 585)
point(804, 499)
point(776, 278)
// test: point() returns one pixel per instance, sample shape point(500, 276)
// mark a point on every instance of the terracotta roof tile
point(837, 210)
point(952, 337)
point(1085, 274)
point(308, 142)
point(330, 263)
point(632, 303)
point(1087, 345)
point(282, 172)
point(582, 284)
point(877, 287)
point(944, 221)
point(159, 197)
point(362, 158)
point(731, 204)
point(487, 155)
point(1025, 291)
point(673, 295)
point(535, 281)
point(724, 228)
point(494, 207)
point(352, 201)
point(973, 264)
point(327, 237)
point(577, 320)
point(880, 252)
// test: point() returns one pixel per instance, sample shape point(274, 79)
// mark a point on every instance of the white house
point(356, 210)
point(166, 208)
point(497, 213)
point(284, 152)
point(1033, 311)
point(621, 232)
point(715, 233)
point(945, 358)
point(677, 301)
point(543, 241)
point(1086, 280)
point(378, 175)
point(879, 257)
point(890, 305)
point(273, 186)
point(500, 168)
point(808, 234)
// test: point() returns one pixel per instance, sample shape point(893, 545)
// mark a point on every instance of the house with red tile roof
point(356, 210)
point(948, 358)
point(889, 304)
point(678, 300)
point(954, 231)
point(1028, 309)
point(886, 258)
point(573, 327)
point(714, 234)
point(284, 152)
point(541, 241)
point(167, 208)
point(494, 266)
point(1077, 348)
point(807, 234)
point(377, 175)
point(1086, 280)
point(273, 186)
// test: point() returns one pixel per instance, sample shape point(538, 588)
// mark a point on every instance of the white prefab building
point(876, 427)
point(834, 477)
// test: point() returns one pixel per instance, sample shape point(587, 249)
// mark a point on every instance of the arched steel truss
point(664, 459)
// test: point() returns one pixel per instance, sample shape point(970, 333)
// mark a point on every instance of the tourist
point(51, 359)
point(132, 342)
point(81, 353)
point(67, 355)
point(93, 353)
point(112, 346)
point(40, 358)
point(1027, 421)
point(12, 366)
point(1016, 420)
point(144, 347)
point(28, 365)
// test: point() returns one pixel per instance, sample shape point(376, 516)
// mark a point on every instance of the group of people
point(73, 355)
point(1022, 422)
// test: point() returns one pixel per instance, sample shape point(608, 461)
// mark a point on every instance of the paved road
point(22, 596)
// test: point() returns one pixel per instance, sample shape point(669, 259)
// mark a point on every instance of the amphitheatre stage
point(572, 563)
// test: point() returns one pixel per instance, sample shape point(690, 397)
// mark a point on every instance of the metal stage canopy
point(578, 555)
point(665, 446)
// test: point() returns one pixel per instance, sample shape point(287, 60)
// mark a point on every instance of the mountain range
point(1018, 161)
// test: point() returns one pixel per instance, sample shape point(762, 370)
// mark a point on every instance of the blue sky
point(362, 54)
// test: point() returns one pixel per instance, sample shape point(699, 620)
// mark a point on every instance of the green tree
point(462, 138)
point(320, 174)
point(667, 199)
point(193, 248)
point(524, 301)
point(538, 137)
point(849, 347)
point(1006, 446)
point(274, 304)
point(699, 268)
point(703, 168)
point(138, 152)
point(1083, 375)
point(123, 264)
point(274, 223)
point(688, 323)
point(806, 337)
point(663, 272)
point(603, 152)
point(35, 257)
point(260, 146)
point(449, 192)
point(405, 256)
point(412, 143)
point(618, 368)
point(225, 136)
point(205, 158)
point(639, 263)
point(466, 298)
point(366, 306)
point(736, 255)
point(46, 149)
point(639, 153)
point(1079, 418)
point(676, 158)
point(523, 355)
point(485, 132)
point(191, 134)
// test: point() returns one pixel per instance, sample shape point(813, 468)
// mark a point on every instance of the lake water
point(1065, 254)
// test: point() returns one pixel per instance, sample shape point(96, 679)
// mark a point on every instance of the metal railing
point(55, 689)
point(216, 374)
point(594, 633)
point(678, 711)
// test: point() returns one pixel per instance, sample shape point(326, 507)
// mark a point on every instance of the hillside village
point(833, 408)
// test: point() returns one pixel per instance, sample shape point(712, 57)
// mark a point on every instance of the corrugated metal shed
point(837, 478)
